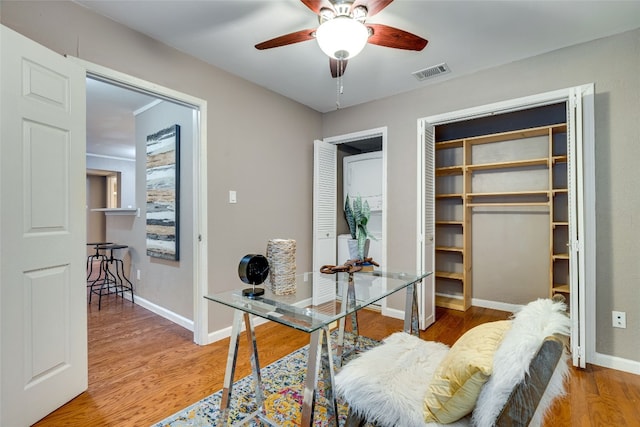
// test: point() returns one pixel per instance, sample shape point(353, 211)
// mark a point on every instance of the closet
point(501, 209)
point(507, 196)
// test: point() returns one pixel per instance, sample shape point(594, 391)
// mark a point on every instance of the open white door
point(580, 151)
point(324, 203)
point(42, 228)
point(426, 223)
point(325, 157)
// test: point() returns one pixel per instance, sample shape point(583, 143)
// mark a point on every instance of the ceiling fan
point(343, 33)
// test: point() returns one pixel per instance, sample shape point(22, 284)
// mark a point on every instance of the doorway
point(581, 166)
point(371, 142)
point(326, 242)
point(193, 313)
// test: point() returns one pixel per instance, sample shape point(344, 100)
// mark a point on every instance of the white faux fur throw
point(387, 384)
point(531, 325)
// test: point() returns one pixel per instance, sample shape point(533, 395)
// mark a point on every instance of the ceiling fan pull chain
point(339, 86)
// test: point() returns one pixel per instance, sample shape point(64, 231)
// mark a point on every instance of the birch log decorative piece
point(281, 254)
point(163, 175)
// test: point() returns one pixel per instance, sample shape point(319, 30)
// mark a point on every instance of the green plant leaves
point(357, 218)
point(348, 213)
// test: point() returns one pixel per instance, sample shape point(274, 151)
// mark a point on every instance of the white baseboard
point(495, 305)
point(226, 332)
point(614, 362)
point(393, 313)
point(163, 312)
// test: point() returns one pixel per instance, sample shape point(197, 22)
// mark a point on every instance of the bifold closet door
point(427, 223)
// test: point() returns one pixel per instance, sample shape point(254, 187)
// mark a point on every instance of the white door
point(580, 151)
point(42, 228)
point(426, 227)
point(325, 157)
point(324, 203)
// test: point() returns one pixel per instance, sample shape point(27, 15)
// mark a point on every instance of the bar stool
point(97, 256)
point(114, 281)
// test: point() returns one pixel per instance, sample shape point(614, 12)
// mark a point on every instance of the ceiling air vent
point(427, 73)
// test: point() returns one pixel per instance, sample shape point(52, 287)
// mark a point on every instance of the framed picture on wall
point(163, 193)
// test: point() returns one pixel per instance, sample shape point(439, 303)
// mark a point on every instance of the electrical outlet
point(619, 319)
point(138, 274)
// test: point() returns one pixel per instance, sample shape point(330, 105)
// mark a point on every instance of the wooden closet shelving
point(559, 206)
point(455, 200)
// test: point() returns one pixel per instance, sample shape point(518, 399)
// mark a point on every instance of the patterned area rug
point(283, 385)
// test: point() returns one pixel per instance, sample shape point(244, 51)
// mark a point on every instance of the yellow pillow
point(456, 384)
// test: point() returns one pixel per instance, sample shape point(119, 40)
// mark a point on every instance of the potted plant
point(357, 216)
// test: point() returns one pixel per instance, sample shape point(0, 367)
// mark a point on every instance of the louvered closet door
point(325, 158)
point(427, 291)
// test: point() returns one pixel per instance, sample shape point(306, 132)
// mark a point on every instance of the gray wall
point(168, 284)
point(260, 144)
point(127, 169)
point(611, 63)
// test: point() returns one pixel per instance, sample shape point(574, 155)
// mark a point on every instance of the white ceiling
point(467, 35)
point(111, 120)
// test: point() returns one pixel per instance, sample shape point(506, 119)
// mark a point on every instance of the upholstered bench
point(498, 373)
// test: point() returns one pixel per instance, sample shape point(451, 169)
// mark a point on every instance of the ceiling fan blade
point(337, 69)
point(373, 6)
point(298, 36)
point(383, 35)
point(316, 5)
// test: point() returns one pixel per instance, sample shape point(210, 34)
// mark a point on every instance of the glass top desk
point(315, 305)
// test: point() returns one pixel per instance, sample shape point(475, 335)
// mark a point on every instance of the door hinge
point(577, 246)
point(581, 356)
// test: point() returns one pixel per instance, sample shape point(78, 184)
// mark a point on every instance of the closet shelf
point(510, 193)
point(564, 289)
point(509, 164)
point(450, 302)
point(517, 134)
point(449, 196)
point(449, 275)
point(504, 204)
point(449, 249)
point(560, 159)
point(449, 223)
point(454, 143)
point(449, 170)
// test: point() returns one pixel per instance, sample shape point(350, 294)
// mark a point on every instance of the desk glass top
point(317, 299)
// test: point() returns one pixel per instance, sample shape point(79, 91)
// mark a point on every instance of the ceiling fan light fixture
point(342, 37)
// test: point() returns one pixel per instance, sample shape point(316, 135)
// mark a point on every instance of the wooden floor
point(143, 368)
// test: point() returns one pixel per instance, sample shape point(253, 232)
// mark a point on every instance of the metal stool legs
point(111, 279)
